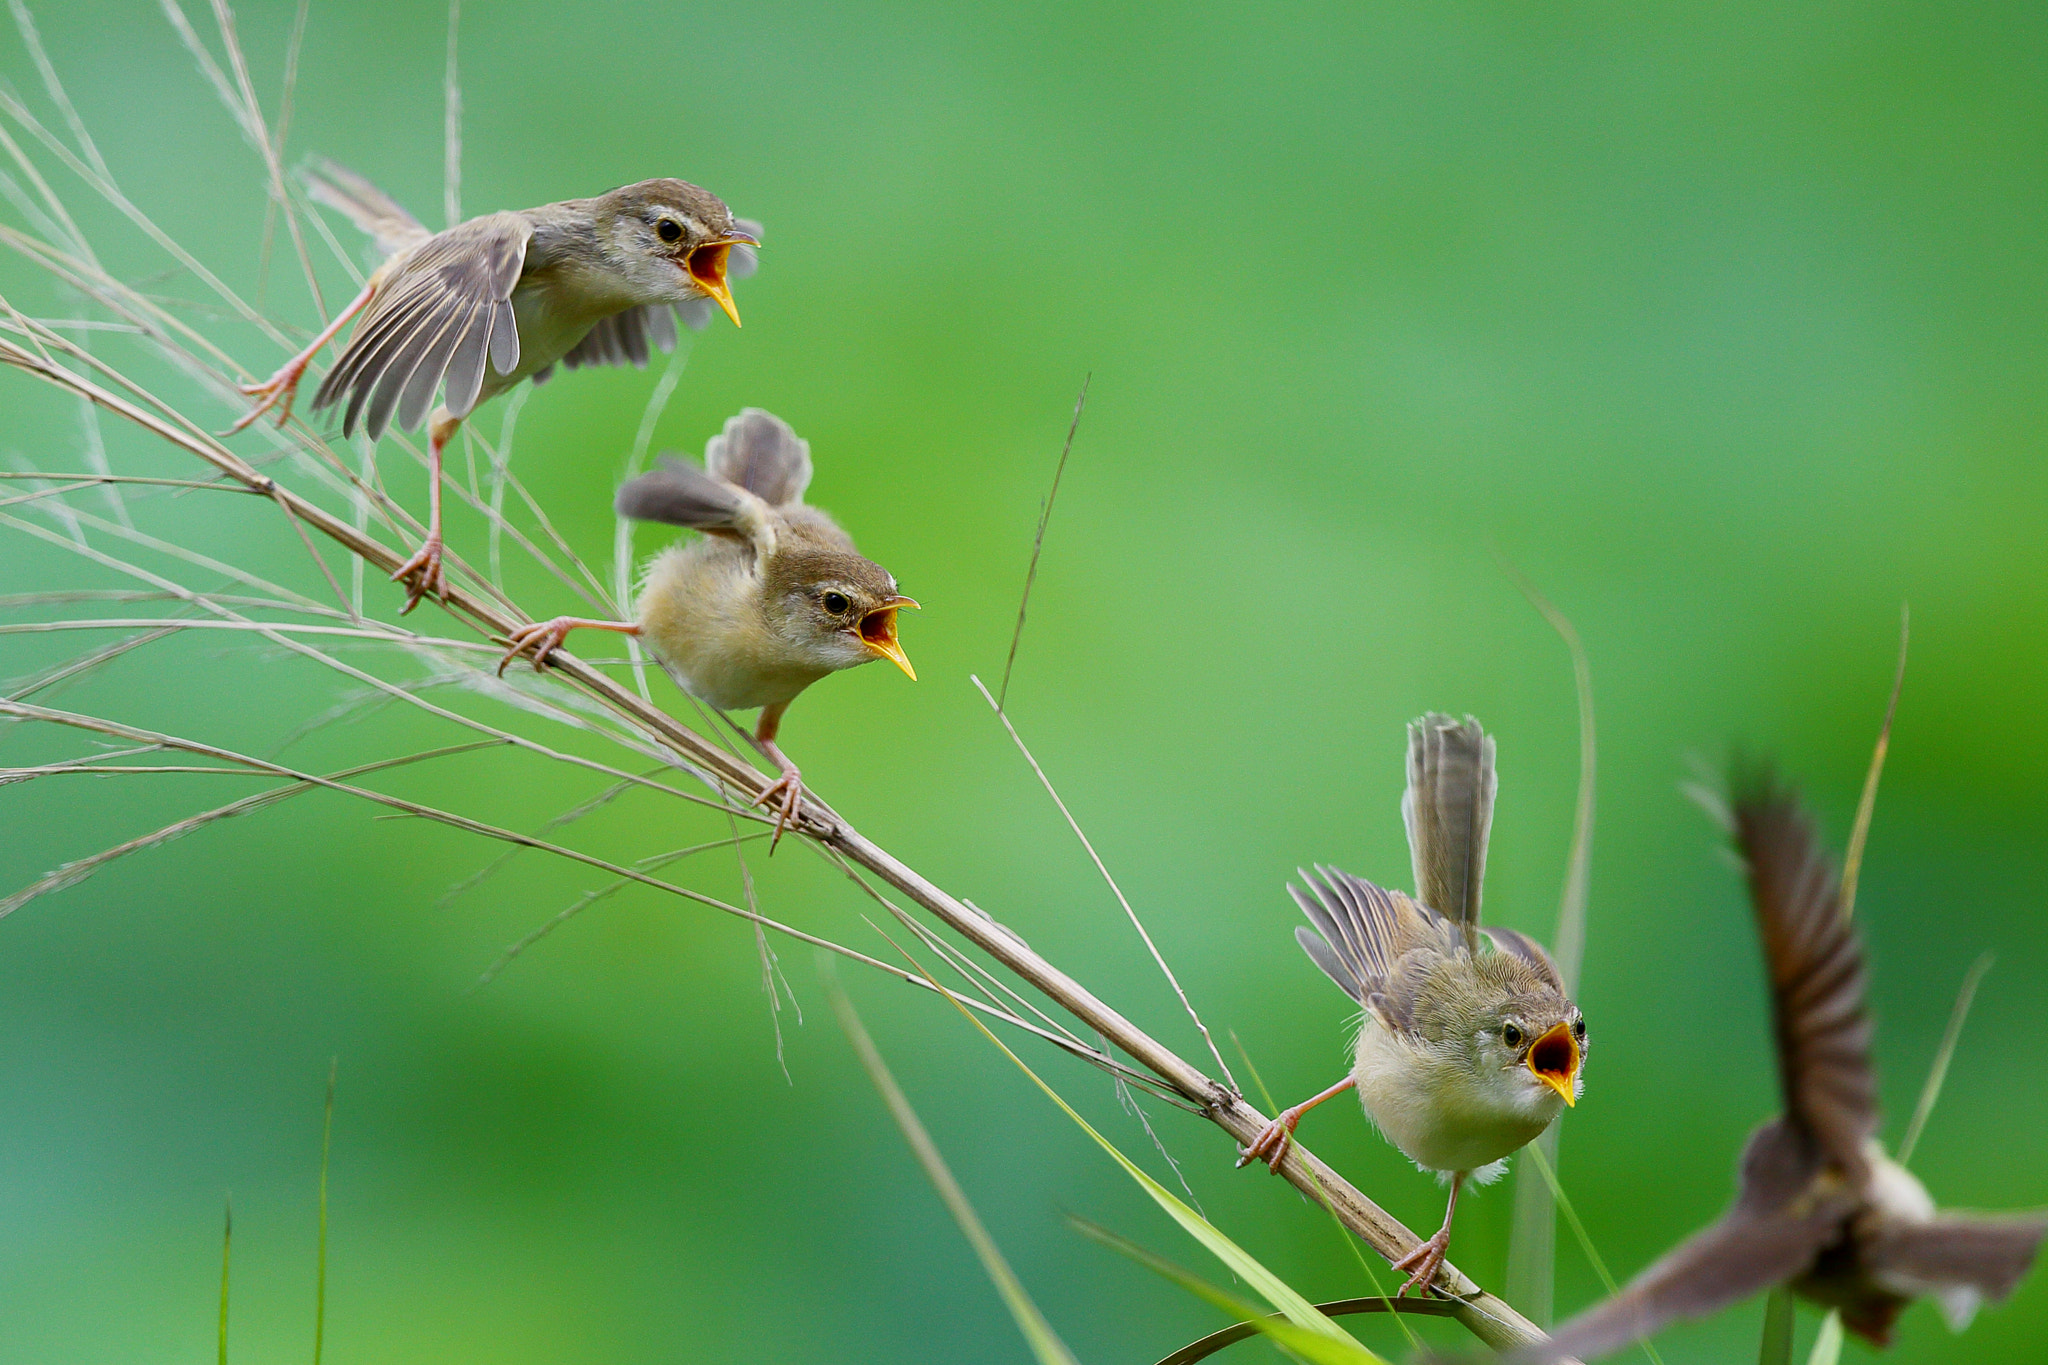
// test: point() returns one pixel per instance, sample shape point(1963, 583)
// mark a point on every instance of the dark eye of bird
point(669, 230)
point(1579, 1029)
point(1511, 1035)
point(836, 603)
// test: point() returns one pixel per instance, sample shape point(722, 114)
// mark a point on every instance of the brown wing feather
point(1765, 1239)
point(624, 338)
point(1362, 932)
point(446, 304)
point(1816, 970)
point(1723, 1264)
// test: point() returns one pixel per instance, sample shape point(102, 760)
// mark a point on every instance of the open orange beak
point(707, 267)
point(878, 632)
point(1554, 1060)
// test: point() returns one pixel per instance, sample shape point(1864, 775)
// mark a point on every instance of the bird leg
point(1428, 1257)
point(423, 574)
point(785, 795)
point(1273, 1140)
point(545, 637)
point(280, 387)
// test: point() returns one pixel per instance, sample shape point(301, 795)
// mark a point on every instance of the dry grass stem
point(333, 497)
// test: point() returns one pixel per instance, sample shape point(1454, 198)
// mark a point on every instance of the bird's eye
point(669, 230)
point(1579, 1029)
point(836, 603)
point(1511, 1035)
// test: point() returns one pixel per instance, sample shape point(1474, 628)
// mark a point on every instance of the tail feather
point(369, 208)
point(1960, 1259)
point(759, 452)
point(1448, 809)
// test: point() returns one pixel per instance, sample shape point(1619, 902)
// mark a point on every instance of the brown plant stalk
point(1487, 1316)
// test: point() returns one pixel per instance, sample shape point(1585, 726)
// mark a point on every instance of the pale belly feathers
point(699, 612)
point(1442, 1115)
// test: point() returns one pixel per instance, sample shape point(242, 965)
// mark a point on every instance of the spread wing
point(445, 309)
point(625, 338)
point(1361, 932)
point(1448, 809)
point(1764, 1240)
point(1725, 1263)
point(1816, 971)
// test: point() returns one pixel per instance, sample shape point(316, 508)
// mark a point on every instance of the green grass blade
point(320, 1256)
point(1343, 1233)
point(1776, 1347)
point(1938, 1073)
point(1532, 1236)
point(227, 1241)
point(1045, 1344)
point(1585, 1239)
point(1827, 1346)
point(1313, 1346)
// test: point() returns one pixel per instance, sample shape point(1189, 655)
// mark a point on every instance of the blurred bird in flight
point(1819, 1207)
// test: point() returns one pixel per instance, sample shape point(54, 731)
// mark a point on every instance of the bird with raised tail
point(768, 600)
point(471, 311)
point(1819, 1207)
point(1463, 1055)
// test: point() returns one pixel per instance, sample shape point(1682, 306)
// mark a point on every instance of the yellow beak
point(878, 632)
point(1554, 1060)
point(707, 267)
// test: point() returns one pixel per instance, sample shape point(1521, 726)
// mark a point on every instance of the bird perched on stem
point(1463, 1055)
point(506, 297)
point(771, 598)
point(1819, 1207)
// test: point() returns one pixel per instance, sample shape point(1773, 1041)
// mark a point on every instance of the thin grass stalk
point(1038, 541)
point(1930, 1090)
point(1859, 833)
point(1532, 1234)
point(451, 124)
point(1086, 843)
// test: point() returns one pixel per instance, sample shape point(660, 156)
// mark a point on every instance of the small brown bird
point(1463, 1056)
point(1819, 1206)
point(771, 598)
point(505, 297)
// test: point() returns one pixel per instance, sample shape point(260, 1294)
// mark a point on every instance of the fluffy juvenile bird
point(771, 598)
point(1463, 1055)
point(1818, 1204)
point(506, 297)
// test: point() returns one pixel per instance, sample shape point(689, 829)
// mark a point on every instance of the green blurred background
point(1726, 324)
